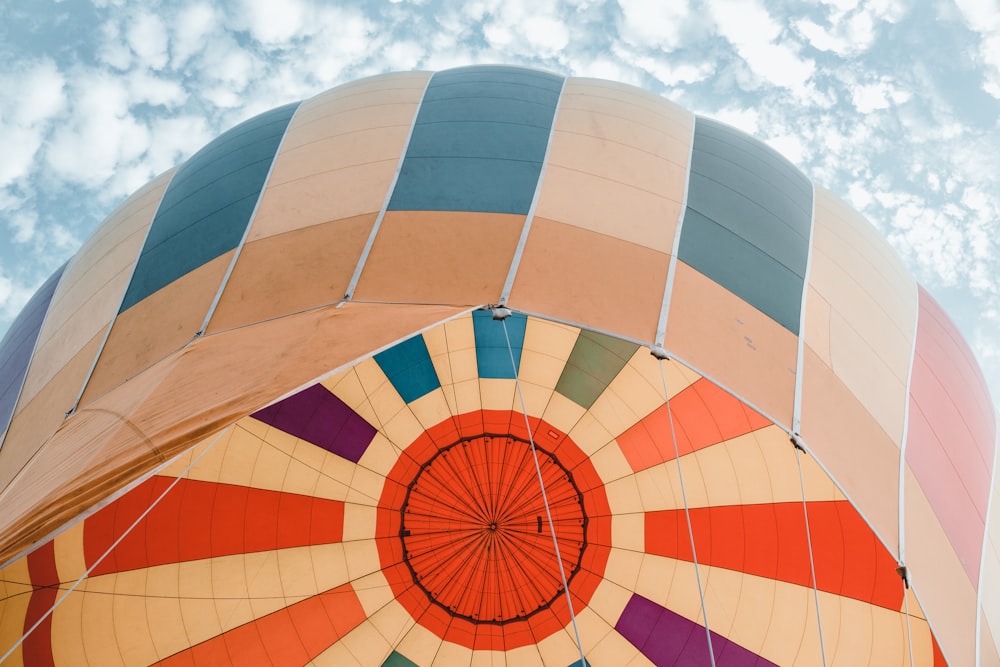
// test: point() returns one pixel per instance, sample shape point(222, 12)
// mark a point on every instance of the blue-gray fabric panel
point(207, 206)
point(18, 345)
point(478, 142)
point(747, 222)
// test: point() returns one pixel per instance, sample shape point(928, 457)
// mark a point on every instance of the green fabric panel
point(747, 222)
point(594, 362)
point(398, 660)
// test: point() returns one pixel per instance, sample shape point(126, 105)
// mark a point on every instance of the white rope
point(687, 514)
point(812, 564)
point(906, 607)
point(545, 498)
point(110, 549)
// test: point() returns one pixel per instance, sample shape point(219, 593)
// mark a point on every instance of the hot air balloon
point(492, 366)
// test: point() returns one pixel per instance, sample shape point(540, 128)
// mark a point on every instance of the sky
point(891, 104)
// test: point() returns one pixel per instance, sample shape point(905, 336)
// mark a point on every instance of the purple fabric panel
point(18, 345)
point(319, 417)
point(667, 638)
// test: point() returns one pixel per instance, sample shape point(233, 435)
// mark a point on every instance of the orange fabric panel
point(440, 257)
point(854, 449)
point(291, 272)
point(585, 277)
point(196, 520)
point(770, 541)
point(155, 327)
point(184, 398)
point(703, 415)
point(44, 414)
point(90, 292)
point(340, 154)
point(291, 636)
point(732, 343)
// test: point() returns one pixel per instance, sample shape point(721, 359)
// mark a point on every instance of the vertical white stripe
point(668, 288)
point(800, 353)
point(986, 542)
point(246, 232)
point(351, 286)
point(906, 434)
point(515, 262)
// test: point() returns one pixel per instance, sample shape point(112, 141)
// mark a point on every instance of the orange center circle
point(476, 534)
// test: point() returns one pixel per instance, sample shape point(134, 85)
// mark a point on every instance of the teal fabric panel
point(207, 206)
point(409, 368)
point(397, 659)
point(492, 355)
point(594, 362)
point(747, 221)
point(479, 141)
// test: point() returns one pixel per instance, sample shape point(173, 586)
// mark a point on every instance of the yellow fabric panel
point(366, 645)
point(419, 645)
point(339, 154)
point(732, 343)
point(559, 648)
point(755, 468)
point(617, 163)
point(589, 278)
point(157, 326)
point(91, 288)
point(446, 257)
point(44, 414)
point(938, 578)
point(69, 557)
point(872, 301)
point(15, 593)
point(186, 397)
point(546, 348)
point(291, 272)
point(841, 433)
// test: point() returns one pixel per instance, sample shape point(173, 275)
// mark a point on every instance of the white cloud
point(22, 223)
point(147, 37)
point(655, 25)
point(757, 38)
point(983, 18)
point(190, 30)
point(273, 23)
point(26, 117)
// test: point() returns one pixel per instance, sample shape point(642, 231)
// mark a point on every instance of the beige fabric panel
point(582, 276)
point(340, 154)
point(181, 400)
point(440, 257)
point(732, 343)
point(756, 468)
point(871, 301)
point(857, 452)
point(91, 289)
point(944, 590)
point(291, 272)
point(157, 326)
point(617, 163)
point(44, 414)
point(777, 620)
point(148, 614)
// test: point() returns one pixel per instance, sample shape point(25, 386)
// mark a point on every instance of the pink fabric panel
point(951, 432)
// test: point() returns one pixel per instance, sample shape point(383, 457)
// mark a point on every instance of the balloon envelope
point(266, 414)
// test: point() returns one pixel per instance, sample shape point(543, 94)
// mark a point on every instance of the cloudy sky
point(891, 104)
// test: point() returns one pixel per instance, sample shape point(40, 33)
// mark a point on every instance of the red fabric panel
point(770, 541)
point(198, 520)
point(37, 647)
